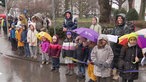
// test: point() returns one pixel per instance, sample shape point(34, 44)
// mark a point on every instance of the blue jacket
point(24, 36)
point(12, 33)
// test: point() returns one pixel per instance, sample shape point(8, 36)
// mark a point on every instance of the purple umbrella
point(87, 33)
point(141, 41)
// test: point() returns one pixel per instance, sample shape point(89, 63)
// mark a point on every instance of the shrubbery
point(132, 15)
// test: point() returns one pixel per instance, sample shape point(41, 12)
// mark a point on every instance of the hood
point(102, 36)
point(68, 11)
point(97, 19)
point(33, 24)
point(123, 17)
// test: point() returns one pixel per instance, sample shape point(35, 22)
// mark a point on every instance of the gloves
point(106, 65)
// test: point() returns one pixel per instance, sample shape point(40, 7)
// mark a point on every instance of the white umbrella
point(141, 32)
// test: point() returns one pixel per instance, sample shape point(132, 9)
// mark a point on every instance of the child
point(90, 69)
point(24, 40)
point(20, 43)
point(13, 38)
point(82, 54)
point(102, 57)
point(129, 60)
point(44, 49)
point(32, 40)
point(55, 50)
point(95, 25)
point(68, 50)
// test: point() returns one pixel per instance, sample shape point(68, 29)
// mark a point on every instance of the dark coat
point(119, 30)
point(70, 23)
point(127, 56)
point(24, 36)
point(82, 53)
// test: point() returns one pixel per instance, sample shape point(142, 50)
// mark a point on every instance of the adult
point(120, 29)
point(69, 23)
point(95, 25)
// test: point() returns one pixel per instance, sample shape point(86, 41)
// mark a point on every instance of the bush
point(132, 15)
point(117, 11)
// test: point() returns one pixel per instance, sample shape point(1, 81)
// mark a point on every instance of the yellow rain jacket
point(90, 70)
point(18, 37)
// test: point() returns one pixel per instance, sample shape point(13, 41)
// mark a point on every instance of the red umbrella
point(2, 16)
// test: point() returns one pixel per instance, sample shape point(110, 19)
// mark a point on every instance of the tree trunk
point(66, 5)
point(142, 10)
point(130, 2)
point(105, 11)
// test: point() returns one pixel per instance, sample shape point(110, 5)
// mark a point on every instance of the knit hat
point(68, 33)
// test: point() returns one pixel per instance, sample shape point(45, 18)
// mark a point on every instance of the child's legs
point(27, 49)
point(46, 57)
point(31, 50)
point(43, 57)
point(35, 50)
point(79, 68)
point(83, 69)
point(57, 63)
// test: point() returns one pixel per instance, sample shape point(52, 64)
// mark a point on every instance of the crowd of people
point(103, 59)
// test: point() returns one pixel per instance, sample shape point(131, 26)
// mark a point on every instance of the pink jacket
point(45, 46)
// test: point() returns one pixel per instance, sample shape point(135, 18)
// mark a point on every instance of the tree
point(119, 3)
point(105, 11)
point(130, 2)
point(2, 3)
point(142, 10)
point(132, 15)
point(66, 5)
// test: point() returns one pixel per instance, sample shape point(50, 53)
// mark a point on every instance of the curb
point(24, 58)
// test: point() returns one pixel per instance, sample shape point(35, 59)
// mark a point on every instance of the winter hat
point(68, 33)
point(102, 36)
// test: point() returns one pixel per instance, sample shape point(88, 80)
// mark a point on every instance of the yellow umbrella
point(44, 34)
point(123, 40)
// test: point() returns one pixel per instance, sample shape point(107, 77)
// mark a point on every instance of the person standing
point(20, 44)
point(24, 40)
point(102, 56)
point(55, 49)
point(120, 29)
point(95, 25)
point(32, 40)
point(129, 60)
point(68, 50)
point(44, 45)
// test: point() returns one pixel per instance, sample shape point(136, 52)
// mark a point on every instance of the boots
point(71, 72)
point(67, 72)
point(115, 74)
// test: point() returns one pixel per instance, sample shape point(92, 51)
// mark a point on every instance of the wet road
point(17, 70)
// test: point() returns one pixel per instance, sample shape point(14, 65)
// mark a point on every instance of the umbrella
point(2, 16)
point(46, 35)
point(141, 41)
point(123, 40)
point(141, 32)
point(87, 33)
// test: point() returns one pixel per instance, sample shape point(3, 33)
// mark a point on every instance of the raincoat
point(18, 37)
point(96, 27)
point(102, 58)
